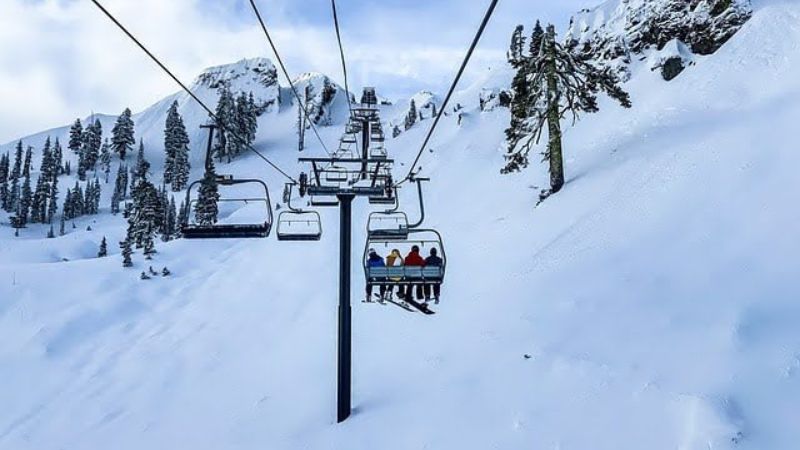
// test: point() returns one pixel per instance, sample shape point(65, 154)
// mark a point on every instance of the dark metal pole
point(345, 312)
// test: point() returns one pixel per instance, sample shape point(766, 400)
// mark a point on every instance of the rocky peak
point(619, 32)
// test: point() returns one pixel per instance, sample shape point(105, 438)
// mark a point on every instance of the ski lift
point(405, 275)
point(228, 229)
point(296, 225)
point(399, 233)
point(348, 138)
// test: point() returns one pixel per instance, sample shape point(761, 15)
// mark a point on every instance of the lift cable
point(300, 102)
point(341, 53)
point(482, 28)
point(189, 91)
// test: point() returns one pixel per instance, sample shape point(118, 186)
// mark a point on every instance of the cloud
point(61, 59)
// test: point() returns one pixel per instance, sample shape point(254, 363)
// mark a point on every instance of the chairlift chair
point(406, 275)
point(297, 225)
point(228, 230)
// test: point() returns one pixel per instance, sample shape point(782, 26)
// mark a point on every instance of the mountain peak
point(257, 71)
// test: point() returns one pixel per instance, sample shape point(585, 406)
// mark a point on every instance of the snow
point(655, 297)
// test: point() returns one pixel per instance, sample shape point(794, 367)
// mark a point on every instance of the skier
point(395, 259)
point(375, 260)
point(165, 272)
point(433, 261)
point(413, 259)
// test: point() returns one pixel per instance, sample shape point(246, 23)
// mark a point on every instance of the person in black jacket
point(433, 261)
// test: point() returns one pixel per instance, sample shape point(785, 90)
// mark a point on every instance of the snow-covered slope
point(652, 304)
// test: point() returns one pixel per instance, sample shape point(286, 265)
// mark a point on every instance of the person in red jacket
point(414, 259)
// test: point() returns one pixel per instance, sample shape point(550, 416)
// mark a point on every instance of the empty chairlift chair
point(230, 227)
point(296, 225)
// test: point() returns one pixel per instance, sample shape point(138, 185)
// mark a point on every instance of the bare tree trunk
point(554, 150)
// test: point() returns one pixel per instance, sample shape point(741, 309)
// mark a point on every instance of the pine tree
point(92, 140)
point(51, 233)
point(58, 158)
point(559, 83)
point(67, 168)
point(176, 147)
point(396, 131)
point(39, 202)
point(183, 219)
point(13, 194)
point(139, 172)
point(516, 51)
point(4, 172)
point(46, 169)
point(225, 117)
point(76, 137)
point(26, 167)
point(537, 37)
point(25, 201)
point(62, 226)
point(66, 210)
point(170, 228)
point(105, 159)
point(103, 251)
point(411, 117)
point(122, 140)
point(206, 209)
point(149, 243)
point(52, 206)
point(125, 246)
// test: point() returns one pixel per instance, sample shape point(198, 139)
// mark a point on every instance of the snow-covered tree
point(25, 201)
point(176, 147)
point(127, 251)
point(58, 158)
point(105, 160)
point(122, 140)
point(52, 204)
point(206, 208)
point(103, 251)
point(411, 117)
point(76, 137)
point(225, 113)
point(92, 141)
point(4, 172)
point(39, 202)
point(516, 51)
point(560, 83)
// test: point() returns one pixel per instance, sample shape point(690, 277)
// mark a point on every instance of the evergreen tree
point(122, 139)
point(4, 173)
point(67, 168)
point(76, 137)
point(516, 51)
point(103, 252)
point(78, 207)
point(46, 169)
point(39, 201)
point(25, 201)
point(92, 140)
point(206, 209)
point(537, 38)
point(51, 233)
point(105, 159)
point(149, 243)
point(411, 117)
point(560, 82)
point(62, 226)
point(125, 245)
point(183, 218)
point(176, 147)
point(13, 194)
point(225, 113)
point(139, 172)
point(26, 167)
point(170, 227)
point(146, 214)
point(52, 206)
point(58, 158)
point(66, 210)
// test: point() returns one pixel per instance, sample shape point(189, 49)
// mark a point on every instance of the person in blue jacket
point(375, 260)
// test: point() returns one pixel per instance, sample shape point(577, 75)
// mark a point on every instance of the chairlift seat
point(311, 232)
point(223, 231)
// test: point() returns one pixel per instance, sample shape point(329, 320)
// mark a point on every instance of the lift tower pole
point(345, 310)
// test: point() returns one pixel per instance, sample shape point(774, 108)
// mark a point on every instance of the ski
point(401, 305)
point(422, 307)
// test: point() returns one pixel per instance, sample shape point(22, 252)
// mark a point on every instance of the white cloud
point(61, 59)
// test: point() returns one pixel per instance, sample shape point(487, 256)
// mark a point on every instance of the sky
point(62, 59)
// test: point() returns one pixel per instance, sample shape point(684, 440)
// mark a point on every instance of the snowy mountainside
point(620, 32)
point(326, 101)
point(651, 304)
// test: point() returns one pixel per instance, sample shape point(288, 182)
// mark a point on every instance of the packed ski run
point(651, 302)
